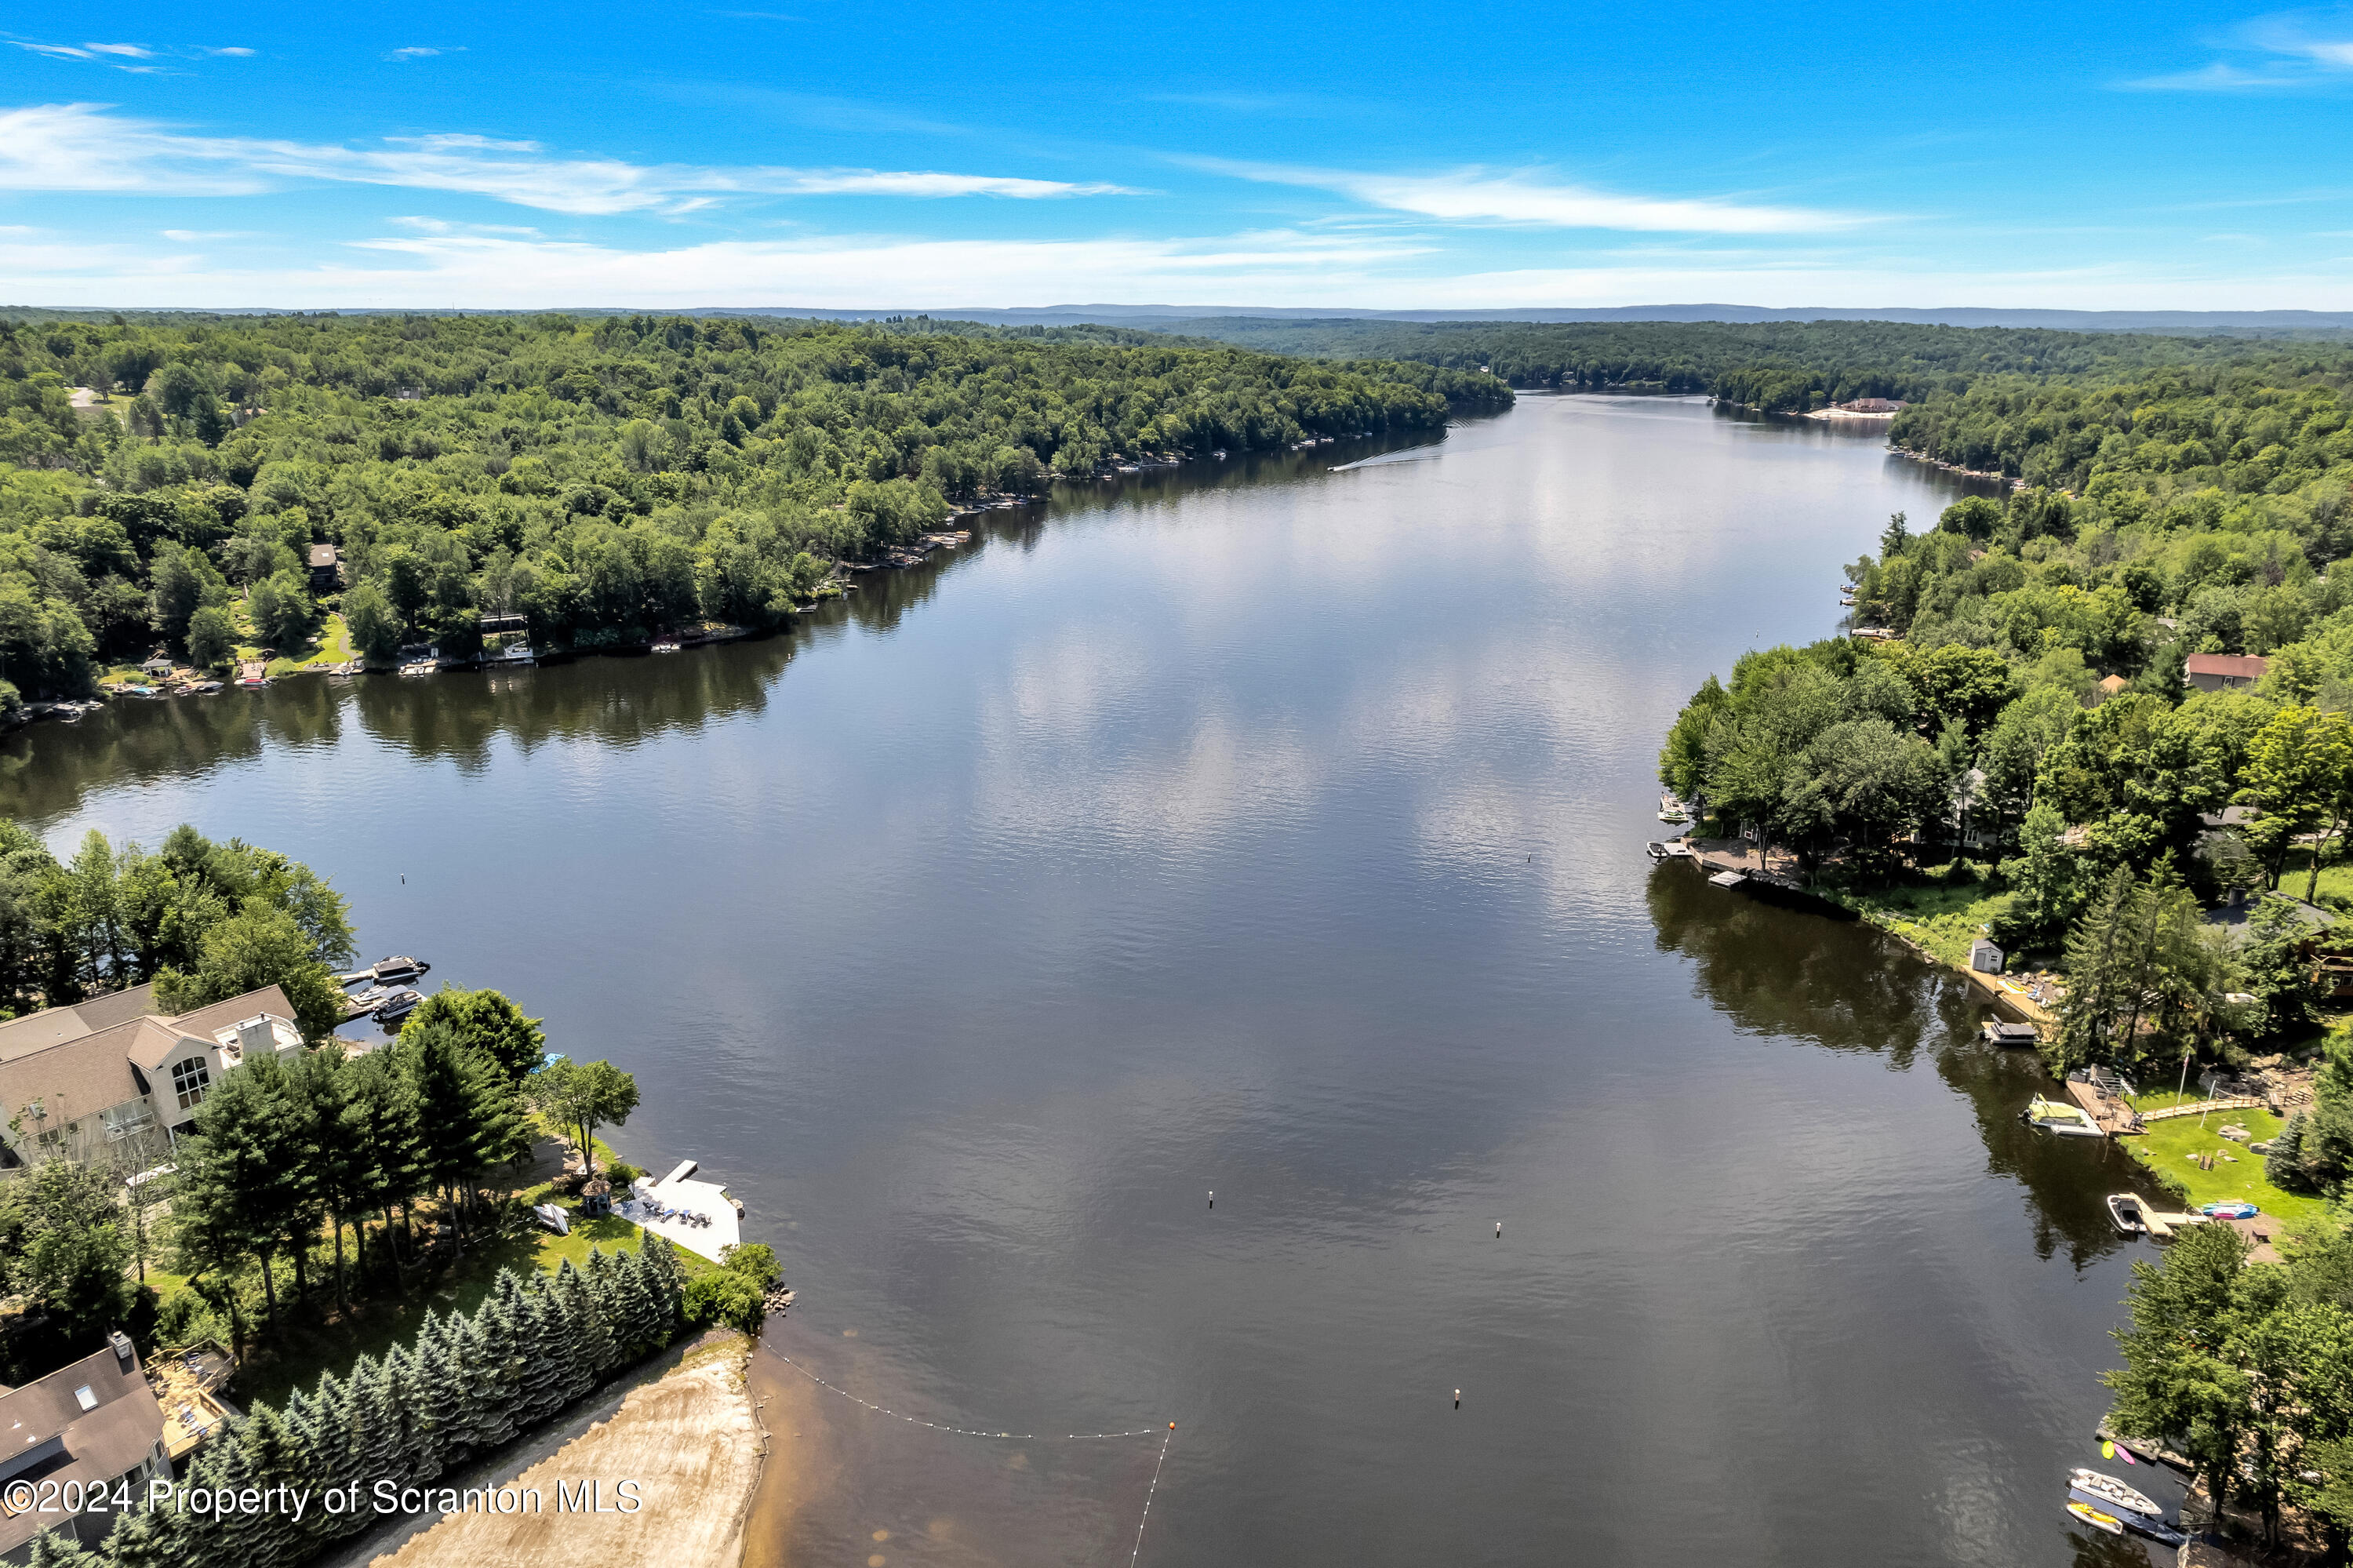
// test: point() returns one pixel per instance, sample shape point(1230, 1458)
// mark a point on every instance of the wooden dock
point(2108, 1113)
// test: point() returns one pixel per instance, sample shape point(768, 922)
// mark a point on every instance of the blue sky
point(819, 153)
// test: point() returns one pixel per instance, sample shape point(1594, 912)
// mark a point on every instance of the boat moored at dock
point(2105, 1490)
point(2059, 1118)
point(396, 971)
point(2125, 1210)
point(397, 1006)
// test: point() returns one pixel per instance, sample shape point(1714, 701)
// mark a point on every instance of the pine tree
point(2100, 962)
point(162, 1538)
point(420, 1451)
point(269, 1456)
point(545, 1353)
point(58, 1549)
point(667, 1282)
point(377, 1438)
point(441, 1386)
point(589, 1342)
point(637, 1314)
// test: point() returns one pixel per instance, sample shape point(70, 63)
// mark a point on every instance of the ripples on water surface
point(1277, 831)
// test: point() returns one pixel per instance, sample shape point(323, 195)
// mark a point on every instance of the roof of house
point(74, 1068)
point(2236, 666)
point(323, 554)
point(118, 1431)
point(2113, 685)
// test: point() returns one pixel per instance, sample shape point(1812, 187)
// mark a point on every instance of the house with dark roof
point(326, 568)
point(92, 1427)
point(2224, 671)
point(85, 1081)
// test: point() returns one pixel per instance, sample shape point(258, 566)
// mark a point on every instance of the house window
point(189, 1080)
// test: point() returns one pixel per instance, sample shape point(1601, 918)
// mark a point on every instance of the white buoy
point(1458, 1399)
point(1499, 1230)
point(1213, 1198)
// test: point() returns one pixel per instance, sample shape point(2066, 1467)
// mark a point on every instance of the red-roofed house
point(2223, 672)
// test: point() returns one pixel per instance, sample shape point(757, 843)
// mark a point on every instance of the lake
point(1274, 828)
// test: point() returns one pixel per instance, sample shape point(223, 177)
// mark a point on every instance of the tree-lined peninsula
point(165, 481)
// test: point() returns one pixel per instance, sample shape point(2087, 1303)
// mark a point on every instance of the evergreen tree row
point(468, 1383)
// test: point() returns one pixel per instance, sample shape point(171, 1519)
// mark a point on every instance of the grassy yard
point(1941, 916)
point(295, 1358)
point(334, 647)
point(2168, 1146)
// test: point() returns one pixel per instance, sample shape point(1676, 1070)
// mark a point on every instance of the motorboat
point(670, 645)
point(515, 653)
point(2001, 1032)
point(2087, 1514)
point(393, 970)
point(1671, 810)
point(421, 667)
point(2105, 1490)
point(2150, 1525)
point(367, 1000)
point(2124, 1208)
point(2059, 1118)
point(397, 1006)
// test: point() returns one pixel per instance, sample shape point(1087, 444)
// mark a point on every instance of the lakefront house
point(2223, 672)
point(91, 1433)
point(116, 1076)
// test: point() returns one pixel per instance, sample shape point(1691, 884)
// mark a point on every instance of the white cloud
point(237, 51)
point(2291, 55)
point(135, 51)
point(79, 146)
point(58, 51)
point(1481, 196)
point(2216, 78)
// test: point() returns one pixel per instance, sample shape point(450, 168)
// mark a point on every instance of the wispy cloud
point(237, 51)
point(2289, 50)
point(134, 52)
point(191, 236)
point(840, 272)
point(1483, 196)
point(81, 147)
point(424, 51)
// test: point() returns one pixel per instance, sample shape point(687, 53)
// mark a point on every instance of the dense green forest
point(1775, 366)
point(2025, 702)
point(599, 477)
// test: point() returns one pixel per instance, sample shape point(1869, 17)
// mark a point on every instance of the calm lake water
point(1274, 828)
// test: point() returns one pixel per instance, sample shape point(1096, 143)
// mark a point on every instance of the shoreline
point(689, 1439)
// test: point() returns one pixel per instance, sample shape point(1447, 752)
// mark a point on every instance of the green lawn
point(1943, 917)
point(2168, 1145)
point(295, 1358)
point(333, 646)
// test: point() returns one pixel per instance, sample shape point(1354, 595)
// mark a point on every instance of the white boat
point(515, 653)
point(1671, 810)
point(2085, 1513)
point(393, 970)
point(2109, 1489)
point(399, 1005)
point(2124, 1208)
point(666, 646)
point(421, 667)
point(2058, 1116)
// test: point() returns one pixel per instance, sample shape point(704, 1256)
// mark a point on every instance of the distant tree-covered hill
point(598, 476)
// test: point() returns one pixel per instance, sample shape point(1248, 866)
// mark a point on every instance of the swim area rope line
point(1167, 1437)
point(959, 1431)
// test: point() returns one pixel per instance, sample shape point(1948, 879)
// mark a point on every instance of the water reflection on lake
point(1275, 829)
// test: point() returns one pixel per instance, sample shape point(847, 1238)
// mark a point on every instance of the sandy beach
point(686, 1449)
